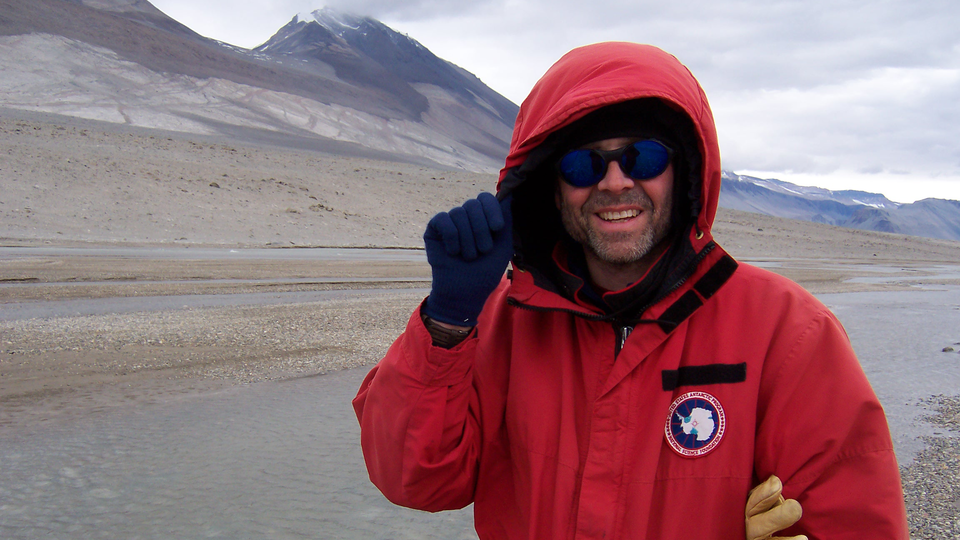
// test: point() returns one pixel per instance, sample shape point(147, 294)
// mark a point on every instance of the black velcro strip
point(703, 375)
point(680, 310)
point(706, 286)
point(716, 276)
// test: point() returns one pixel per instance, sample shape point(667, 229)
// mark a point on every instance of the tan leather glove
point(767, 512)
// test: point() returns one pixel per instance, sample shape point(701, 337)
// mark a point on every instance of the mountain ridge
point(930, 218)
point(197, 84)
point(330, 82)
point(399, 64)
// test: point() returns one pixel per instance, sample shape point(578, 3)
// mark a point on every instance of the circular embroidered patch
point(695, 424)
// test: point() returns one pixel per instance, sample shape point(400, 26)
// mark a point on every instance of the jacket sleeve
point(418, 423)
point(822, 429)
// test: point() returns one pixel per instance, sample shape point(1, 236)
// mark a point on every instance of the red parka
point(555, 426)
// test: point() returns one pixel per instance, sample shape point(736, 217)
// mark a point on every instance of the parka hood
point(594, 76)
point(588, 89)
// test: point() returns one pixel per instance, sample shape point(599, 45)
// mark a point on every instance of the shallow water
point(282, 459)
point(899, 338)
point(273, 460)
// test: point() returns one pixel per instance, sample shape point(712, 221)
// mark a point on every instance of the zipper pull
point(625, 332)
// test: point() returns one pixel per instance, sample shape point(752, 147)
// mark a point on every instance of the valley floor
point(86, 333)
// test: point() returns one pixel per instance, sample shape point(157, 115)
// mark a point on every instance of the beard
point(621, 248)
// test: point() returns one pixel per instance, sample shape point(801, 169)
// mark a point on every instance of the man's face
point(620, 220)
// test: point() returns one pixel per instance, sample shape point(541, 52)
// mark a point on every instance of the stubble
point(622, 248)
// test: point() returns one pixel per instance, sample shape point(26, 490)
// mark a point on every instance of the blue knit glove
point(468, 249)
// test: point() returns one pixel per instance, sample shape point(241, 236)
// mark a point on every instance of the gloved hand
point(468, 249)
point(767, 512)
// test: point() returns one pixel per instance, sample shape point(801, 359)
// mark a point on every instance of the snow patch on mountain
point(813, 193)
point(338, 22)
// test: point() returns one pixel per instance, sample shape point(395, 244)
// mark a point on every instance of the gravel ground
point(82, 365)
point(932, 482)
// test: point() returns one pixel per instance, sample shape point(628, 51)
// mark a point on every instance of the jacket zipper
point(582, 314)
point(621, 332)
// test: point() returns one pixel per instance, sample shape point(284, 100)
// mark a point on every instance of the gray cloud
point(409, 10)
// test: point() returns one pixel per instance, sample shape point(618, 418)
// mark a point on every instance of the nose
point(614, 180)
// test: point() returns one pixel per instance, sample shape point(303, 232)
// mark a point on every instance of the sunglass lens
point(641, 160)
point(645, 159)
point(582, 168)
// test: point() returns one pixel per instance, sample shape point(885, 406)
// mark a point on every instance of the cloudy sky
point(842, 94)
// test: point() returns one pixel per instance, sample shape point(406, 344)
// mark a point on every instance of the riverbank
point(131, 327)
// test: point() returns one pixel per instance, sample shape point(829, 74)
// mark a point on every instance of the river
point(282, 460)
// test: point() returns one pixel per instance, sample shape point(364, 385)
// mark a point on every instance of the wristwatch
point(444, 337)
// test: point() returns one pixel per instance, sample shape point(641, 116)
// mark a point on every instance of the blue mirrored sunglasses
point(641, 160)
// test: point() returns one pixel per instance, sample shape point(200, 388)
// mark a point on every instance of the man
point(628, 378)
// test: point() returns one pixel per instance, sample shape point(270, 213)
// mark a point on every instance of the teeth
point(613, 216)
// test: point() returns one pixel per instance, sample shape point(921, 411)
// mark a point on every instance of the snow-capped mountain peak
point(340, 23)
point(847, 197)
point(932, 218)
point(337, 22)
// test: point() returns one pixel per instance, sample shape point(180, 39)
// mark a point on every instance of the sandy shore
point(86, 184)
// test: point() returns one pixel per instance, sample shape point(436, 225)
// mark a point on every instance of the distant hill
point(930, 218)
point(369, 54)
point(315, 84)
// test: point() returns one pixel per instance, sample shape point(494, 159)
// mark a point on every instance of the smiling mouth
point(617, 216)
